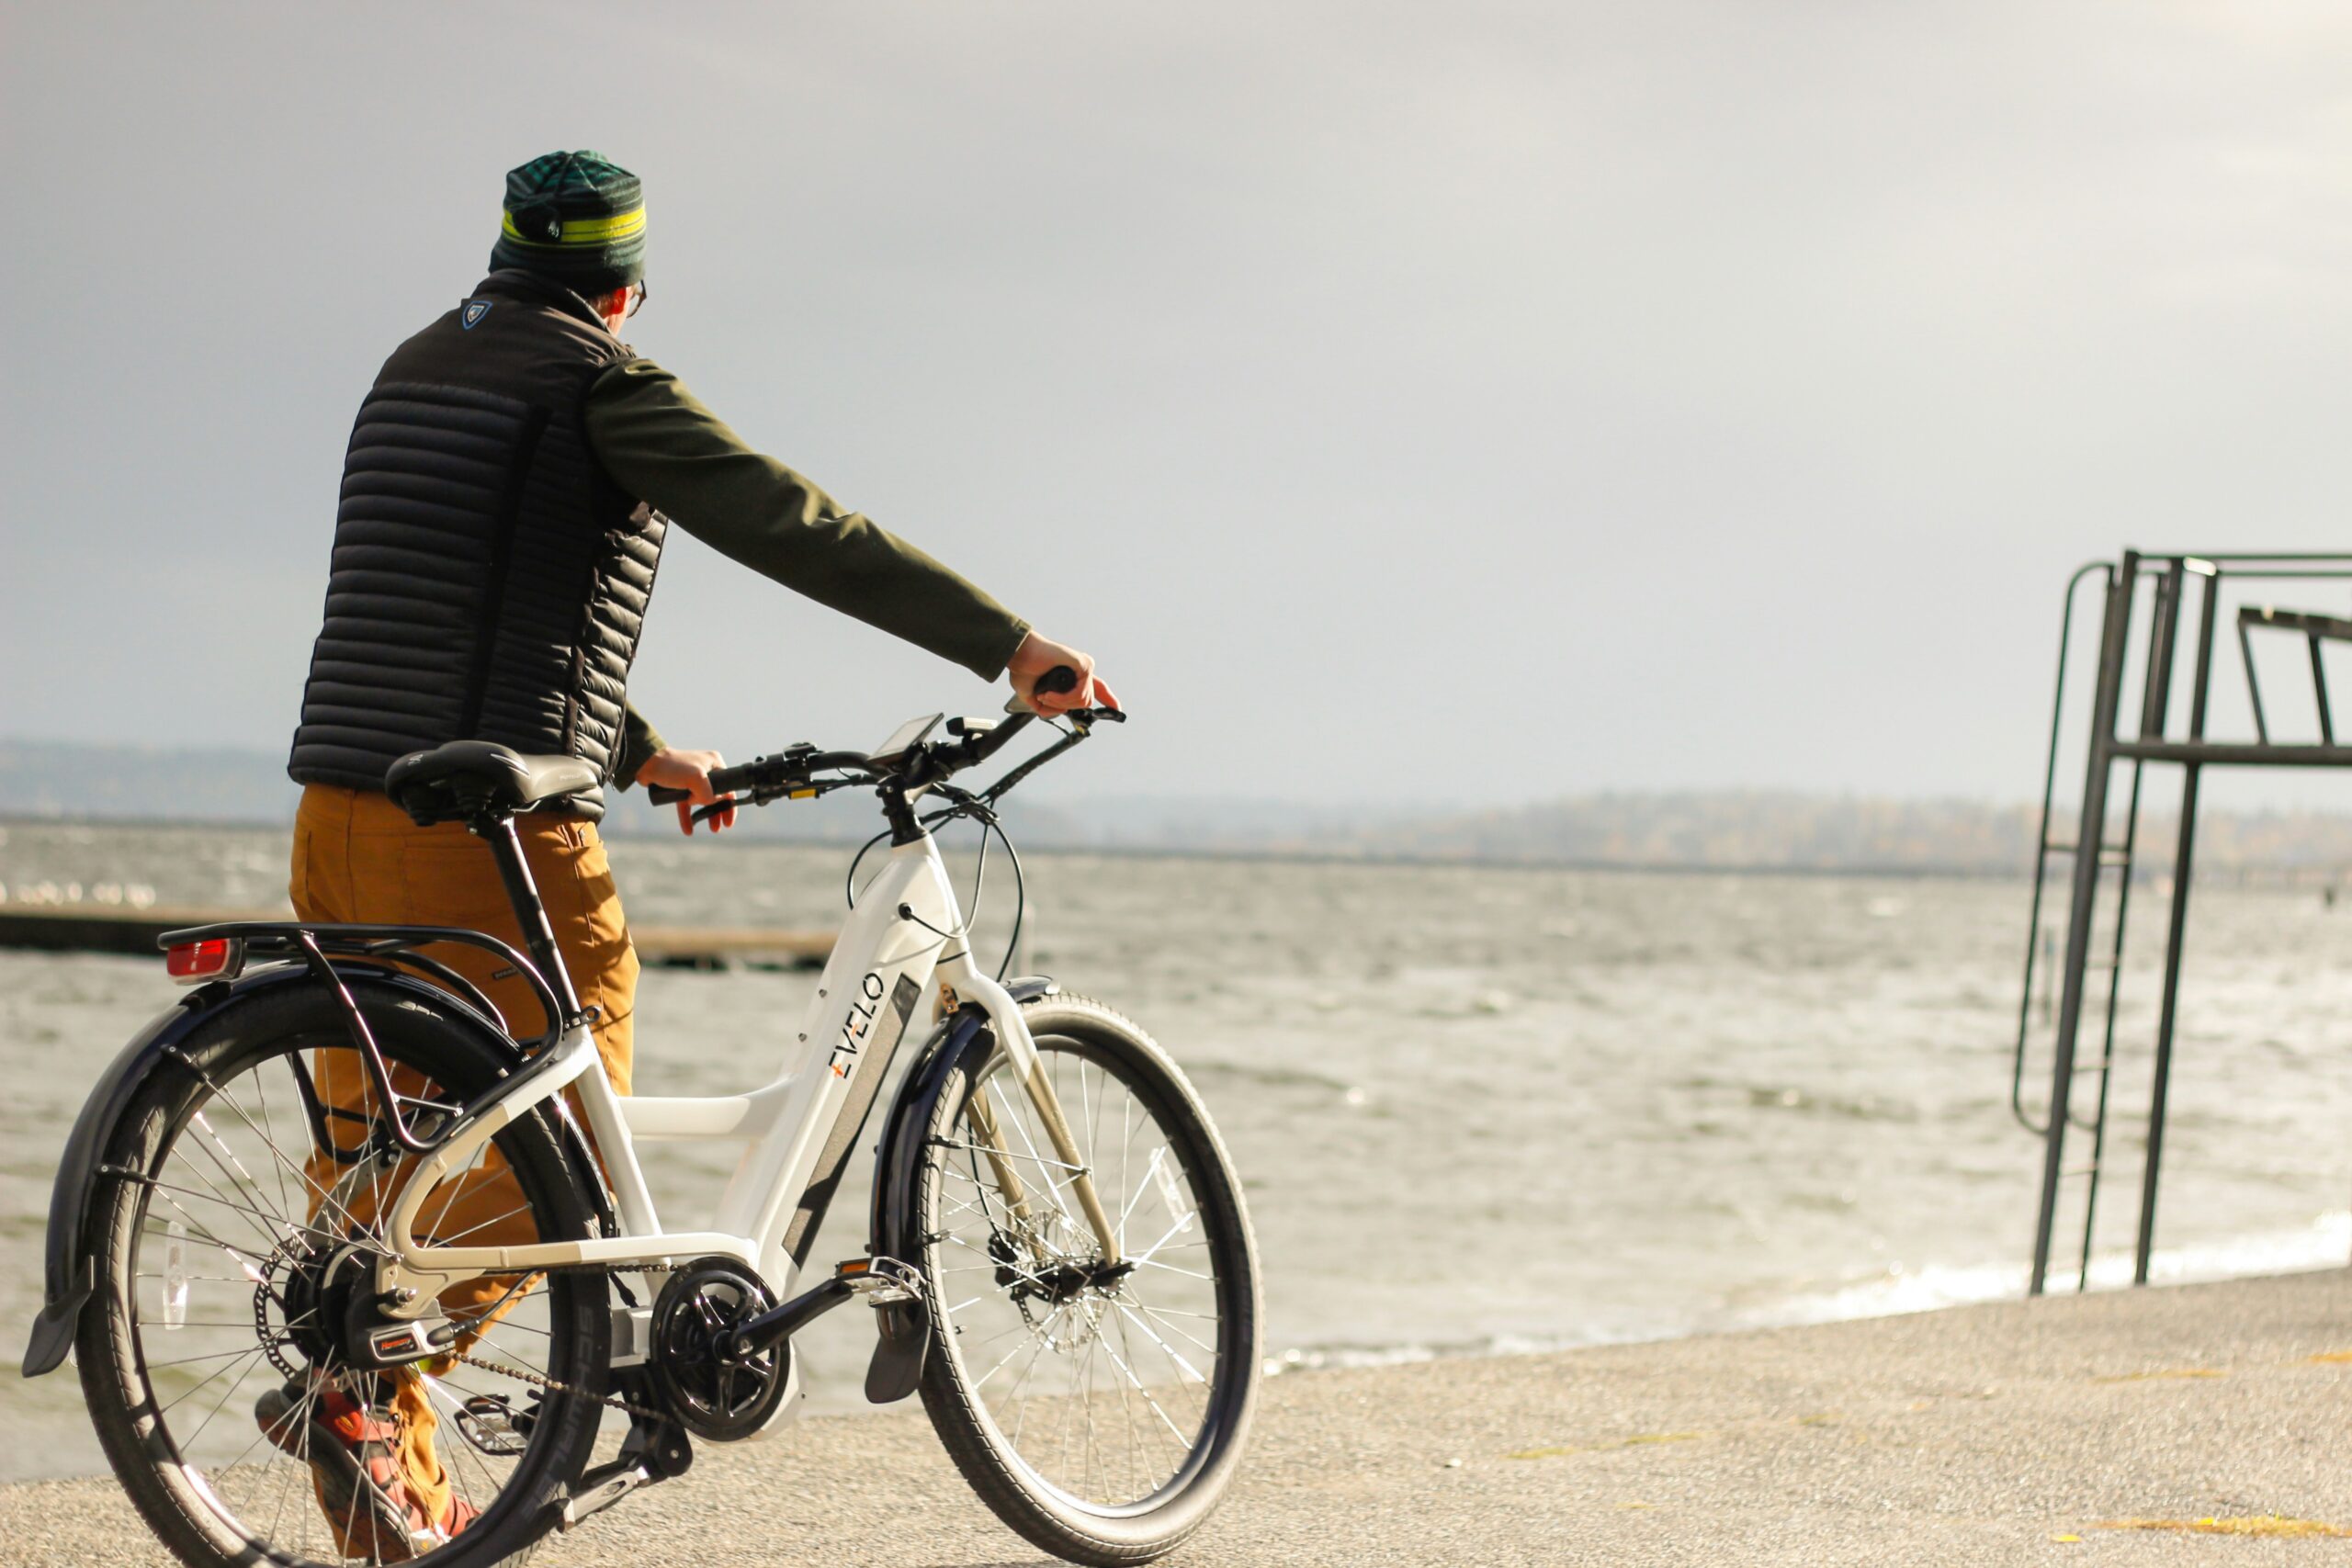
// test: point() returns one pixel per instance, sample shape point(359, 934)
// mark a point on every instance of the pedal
point(490, 1423)
point(881, 1280)
point(901, 1316)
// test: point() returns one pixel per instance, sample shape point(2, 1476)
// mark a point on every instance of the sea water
point(1475, 1109)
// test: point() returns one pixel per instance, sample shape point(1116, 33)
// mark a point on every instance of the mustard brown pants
point(359, 858)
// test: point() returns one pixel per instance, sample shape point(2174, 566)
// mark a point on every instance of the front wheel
point(1099, 1408)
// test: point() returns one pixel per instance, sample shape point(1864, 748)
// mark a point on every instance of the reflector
point(193, 961)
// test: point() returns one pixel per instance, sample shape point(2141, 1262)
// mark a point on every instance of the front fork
point(1028, 1067)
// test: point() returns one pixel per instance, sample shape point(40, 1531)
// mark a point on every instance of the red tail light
point(190, 962)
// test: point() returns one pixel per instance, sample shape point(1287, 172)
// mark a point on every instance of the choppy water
point(1475, 1109)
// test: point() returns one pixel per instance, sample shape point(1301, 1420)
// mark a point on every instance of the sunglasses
point(636, 299)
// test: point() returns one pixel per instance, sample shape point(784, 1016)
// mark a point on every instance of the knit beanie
point(578, 218)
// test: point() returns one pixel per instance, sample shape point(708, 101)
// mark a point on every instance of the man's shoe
point(354, 1470)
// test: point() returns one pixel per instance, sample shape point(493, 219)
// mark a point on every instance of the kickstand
point(653, 1450)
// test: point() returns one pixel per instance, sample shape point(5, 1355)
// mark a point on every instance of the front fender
point(70, 1282)
point(898, 1227)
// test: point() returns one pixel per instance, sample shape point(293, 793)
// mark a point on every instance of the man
point(509, 483)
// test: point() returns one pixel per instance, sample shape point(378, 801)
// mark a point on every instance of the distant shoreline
point(1291, 855)
point(1731, 832)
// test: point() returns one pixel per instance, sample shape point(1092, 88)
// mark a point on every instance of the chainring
point(715, 1396)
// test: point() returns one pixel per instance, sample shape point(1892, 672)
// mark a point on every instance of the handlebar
point(790, 773)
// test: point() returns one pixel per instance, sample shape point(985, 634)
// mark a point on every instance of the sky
point(1459, 402)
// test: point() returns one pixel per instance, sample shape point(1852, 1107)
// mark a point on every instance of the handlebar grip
point(725, 781)
point(1059, 679)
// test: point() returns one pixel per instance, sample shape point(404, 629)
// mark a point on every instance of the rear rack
point(325, 948)
point(2170, 583)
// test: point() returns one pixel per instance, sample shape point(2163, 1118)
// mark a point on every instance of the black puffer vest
point(489, 578)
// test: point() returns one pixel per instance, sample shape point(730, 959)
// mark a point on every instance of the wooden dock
point(121, 929)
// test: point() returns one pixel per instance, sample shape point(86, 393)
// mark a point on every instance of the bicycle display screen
point(904, 738)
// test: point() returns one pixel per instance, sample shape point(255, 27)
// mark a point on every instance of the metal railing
point(2168, 583)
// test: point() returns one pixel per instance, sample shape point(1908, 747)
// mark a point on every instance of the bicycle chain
point(610, 1402)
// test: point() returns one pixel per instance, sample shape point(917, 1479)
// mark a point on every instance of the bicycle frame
point(890, 961)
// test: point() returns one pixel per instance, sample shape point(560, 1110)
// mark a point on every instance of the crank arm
point(882, 1280)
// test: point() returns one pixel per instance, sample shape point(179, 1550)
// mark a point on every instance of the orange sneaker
point(355, 1471)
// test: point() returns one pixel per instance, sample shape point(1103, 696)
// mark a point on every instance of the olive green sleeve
point(639, 741)
point(663, 447)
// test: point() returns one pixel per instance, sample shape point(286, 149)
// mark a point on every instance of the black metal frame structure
point(333, 954)
point(2167, 582)
point(322, 947)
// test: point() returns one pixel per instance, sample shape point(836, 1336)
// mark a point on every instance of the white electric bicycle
point(332, 1170)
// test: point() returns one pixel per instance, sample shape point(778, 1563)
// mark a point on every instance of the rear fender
point(69, 1281)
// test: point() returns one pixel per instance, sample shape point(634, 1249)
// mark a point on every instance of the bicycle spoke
point(1173, 1430)
point(1152, 1335)
point(243, 1371)
point(469, 1230)
point(982, 1381)
point(1043, 1162)
point(234, 1147)
point(248, 1210)
point(1051, 1350)
point(261, 1094)
point(1119, 1229)
point(261, 1436)
point(1043, 1339)
point(1022, 1127)
point(278, 1155)
point(1154, 1313)
point(469, 1461)
point(250, 1214)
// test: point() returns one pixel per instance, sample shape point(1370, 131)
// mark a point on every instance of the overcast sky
point(1446, 402)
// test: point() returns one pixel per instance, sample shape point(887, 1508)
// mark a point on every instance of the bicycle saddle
point(465, 777)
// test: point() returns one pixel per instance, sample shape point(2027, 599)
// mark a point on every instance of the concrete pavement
point(2016, 1433)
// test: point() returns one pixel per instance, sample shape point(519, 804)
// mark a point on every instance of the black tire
point(238, 1069)
point(1099, 1509)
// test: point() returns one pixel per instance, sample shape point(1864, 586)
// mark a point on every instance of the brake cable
point(979, 807)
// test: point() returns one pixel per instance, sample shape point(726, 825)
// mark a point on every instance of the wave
point(2323, 1243)
point(1893, 1292)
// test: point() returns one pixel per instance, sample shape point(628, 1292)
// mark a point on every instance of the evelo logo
point(857, 1029)
point(858, 1024)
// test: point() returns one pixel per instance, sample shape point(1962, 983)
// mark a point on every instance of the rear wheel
point(1100, 1409)
point(227, 1254)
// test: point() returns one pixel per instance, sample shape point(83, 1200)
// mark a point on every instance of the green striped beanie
point(578, 218)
